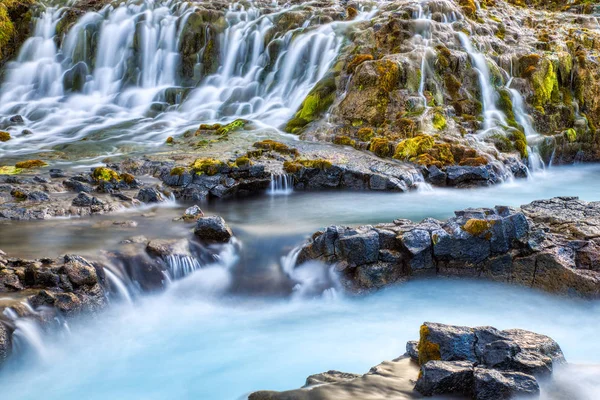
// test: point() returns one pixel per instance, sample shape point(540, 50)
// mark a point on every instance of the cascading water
point(181, 266)
point(492, 117)
point(535, 160)
point(115, 67)
point(281, 184)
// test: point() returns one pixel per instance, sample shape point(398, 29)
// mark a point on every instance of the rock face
point(543, 245)
point(483, 362)
point(454, 361)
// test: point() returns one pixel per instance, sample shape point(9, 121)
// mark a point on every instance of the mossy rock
point(127, 178)
point(571, 135)
point(344, 141)
point(272, 145)
point(439, 121)
point(177, 171)
point(380, 146)
point(357, 60)
point(291, 167)
point(506, 106)
point(243, 161)
point(316, 103)
point(8, 170)
point(233, 126)
point(365, 134)
point(170, 140)
point(479, 227)
point(411, 148)
point(427, 350)
point(520, 142)
point(208, 166)
point(29, 164)
point(105, 174)
point(4, 136)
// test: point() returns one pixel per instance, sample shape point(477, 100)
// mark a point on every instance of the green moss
point(427, 350)
point(6, 170)
point(410, 148)
point(292, 167)
point(380, 146)
point(571, 135)
point(365, 134)
point(236, 125)
point(272, 145)
point(506, 106)
point(208, 166)
point(453, 85)
point(502, 143)
point(243, 161)
point(545, 84)
point(318, 101)
point(477, 227)
point(7, 29)
point(344, 141)
point(439, 121)
point(105, 174)
point(4, 136)
point(30, 164)
point(177, 171)
point(520, 141)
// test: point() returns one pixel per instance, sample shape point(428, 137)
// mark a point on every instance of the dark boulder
point(499, 385)
point(150, 195)
point(445, 377)
point(213, 229)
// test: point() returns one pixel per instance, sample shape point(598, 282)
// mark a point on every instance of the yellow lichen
point(127, 178)
point(208, 166)
point(4, 136)
point(344, 141)
point(365, 134)
point(357, 60)
point(477, 227)
point(278, 147)
point(380, 146)
point(243, 161)
point(30, 164)
point(427, 350)
point(105, 174)
point(6, 170)
point(294, 166)
point(177, 171)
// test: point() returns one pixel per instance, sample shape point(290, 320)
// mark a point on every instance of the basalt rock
point(212, 229)
point(551, 245)
point(455, 366)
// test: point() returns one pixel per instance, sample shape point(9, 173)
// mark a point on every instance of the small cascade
point(312, 278)
point(281, 185)
point(27, 336)
point(117, 285)
point(492, 116)
point(423, 23)
point(180, 266)
point(524, 119)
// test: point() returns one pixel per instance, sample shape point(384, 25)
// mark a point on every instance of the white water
point(281, 184)
point(124, 82)
point(492, 117)
point(180, 345)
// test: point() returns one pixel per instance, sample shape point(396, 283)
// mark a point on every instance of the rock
point(5, 342)
point(412, 350)
point(17, 120)
point(496, 385)
point(446, 343)
point(329, 377)
point(359, 248)
point(445, 377)
point(212, 229)
point(150, 195)
point(79, 271)
point(85, 200)
point(38, 196)
point(75, 185)
point(57, 173)
point(192, 213)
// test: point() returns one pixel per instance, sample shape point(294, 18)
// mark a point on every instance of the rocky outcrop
point(481, 363)
point(551, 245)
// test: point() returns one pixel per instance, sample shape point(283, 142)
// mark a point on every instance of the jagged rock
point(446, 377)
point(80, 271)
point(75, 185)
point(498, 385)
point(412, 350)
point(38, 196)
point(213, 229)
point(149, 195)
point(85, 200)
point(5, 343)
point(192, 213)
point(526, 246)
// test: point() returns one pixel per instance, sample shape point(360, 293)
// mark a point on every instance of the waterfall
point(492, 116)
point(535, 160)
point(27, 336)
point(423, 22)
point(180, 266)
point(310, 279)
point(117, 285)
point(114, 74)
point(281, 184)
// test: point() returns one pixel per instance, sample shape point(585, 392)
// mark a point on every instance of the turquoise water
point(224, 332)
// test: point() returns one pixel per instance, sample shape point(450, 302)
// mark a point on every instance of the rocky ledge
point(482, 363)
point(551, 245)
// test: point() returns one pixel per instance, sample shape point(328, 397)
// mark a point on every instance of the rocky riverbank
point(550, 245)
point(481, 363)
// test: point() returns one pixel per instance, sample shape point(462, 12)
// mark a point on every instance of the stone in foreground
point(213, 230)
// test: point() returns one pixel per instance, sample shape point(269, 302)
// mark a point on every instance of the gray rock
point(57, 173)
point(459, 175)
point(79, 271)
point(149, 195)
point(5, 342)
point(76, 186)
point(213, 229)
point(412, 350)
point(490, 384)
point(85, 200)
point(193, 213)
point(360, 248)
point(445, 377)
point(456, 343)
point(38, 196)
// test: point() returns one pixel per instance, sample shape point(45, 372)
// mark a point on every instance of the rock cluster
point(481, 363)
point(551, 245)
